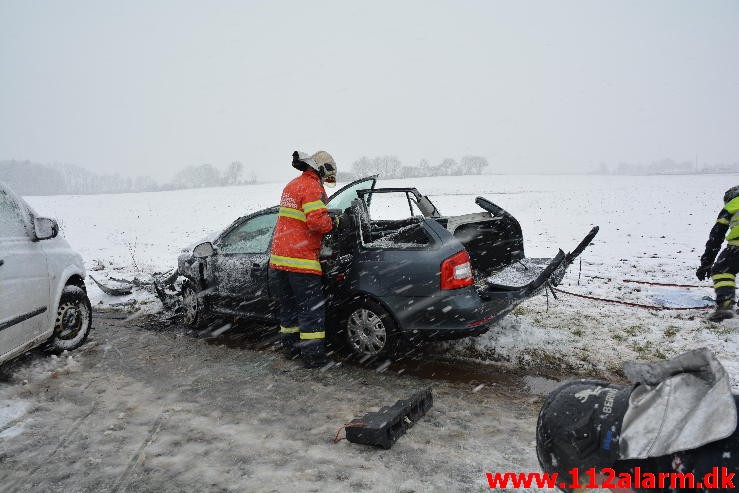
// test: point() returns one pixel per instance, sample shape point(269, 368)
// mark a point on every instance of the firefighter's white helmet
point(326, 167)
point(321, 162)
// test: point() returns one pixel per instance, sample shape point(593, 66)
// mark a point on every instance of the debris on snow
point(113, 290)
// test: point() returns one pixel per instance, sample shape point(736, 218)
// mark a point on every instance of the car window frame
point(218, 243)
point(360, 210)
point(343, 189)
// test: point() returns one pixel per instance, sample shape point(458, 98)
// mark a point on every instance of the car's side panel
point(238, 272)
point(397, 272)
point(240, 281)
point(407, 282)
point(24, 289)
point(234, 280)
point(32, 276)
point(24, 277)
point(23, 348)
point(440, 314)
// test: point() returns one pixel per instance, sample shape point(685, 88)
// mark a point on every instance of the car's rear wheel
point(73, 320)
point(193, 307)
point(370, 330)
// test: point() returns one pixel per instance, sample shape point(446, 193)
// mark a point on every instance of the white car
point(43, 299)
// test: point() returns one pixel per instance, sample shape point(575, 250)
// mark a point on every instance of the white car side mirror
point(45, 228)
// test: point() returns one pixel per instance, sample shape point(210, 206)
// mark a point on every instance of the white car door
point(24, 277)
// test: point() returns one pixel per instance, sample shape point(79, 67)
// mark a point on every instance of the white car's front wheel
point(73, 320)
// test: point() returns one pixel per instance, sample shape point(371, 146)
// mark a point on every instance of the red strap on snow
point(665, 284)
point(634, 281)
point(637, 305)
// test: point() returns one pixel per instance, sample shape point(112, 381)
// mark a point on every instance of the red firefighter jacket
point(301, 223)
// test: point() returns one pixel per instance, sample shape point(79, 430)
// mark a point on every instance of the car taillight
point(456, 271)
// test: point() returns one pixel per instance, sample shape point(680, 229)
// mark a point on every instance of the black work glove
point(703, 272)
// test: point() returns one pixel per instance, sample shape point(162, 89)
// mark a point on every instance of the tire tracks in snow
point(123, 481)
point(62, 442)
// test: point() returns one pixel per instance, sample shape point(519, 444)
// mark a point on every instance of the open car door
point(343, 198)
point(494, 241)
point(493, 238)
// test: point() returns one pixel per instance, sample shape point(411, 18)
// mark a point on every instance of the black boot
point(724, 310)
point(313, 353)
point(315, 361)
point(290, 347)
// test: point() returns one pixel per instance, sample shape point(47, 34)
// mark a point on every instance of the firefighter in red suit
point(294, 270)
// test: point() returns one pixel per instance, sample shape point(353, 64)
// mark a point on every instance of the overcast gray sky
point(148, 87)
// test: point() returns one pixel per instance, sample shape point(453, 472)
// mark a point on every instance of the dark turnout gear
point(678, 416)
point(724, 269)
point(302, 305)
point(727, 220)
point(701, 461)
point(295, 271)
point(724, 311)
point(302, 313)
point(724, 272)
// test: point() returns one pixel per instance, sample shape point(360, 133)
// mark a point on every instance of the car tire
point(370, 331)
point(193, 306)
point(73, 321)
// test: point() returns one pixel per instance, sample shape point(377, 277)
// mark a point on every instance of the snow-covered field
point(653, 228)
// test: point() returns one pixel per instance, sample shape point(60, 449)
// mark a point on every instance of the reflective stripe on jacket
point(301, 223)
point(732, 211)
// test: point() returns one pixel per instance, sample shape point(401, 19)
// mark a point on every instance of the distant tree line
point(207, 175)
point(666, 166)
point(29, 178)
point(392, 167)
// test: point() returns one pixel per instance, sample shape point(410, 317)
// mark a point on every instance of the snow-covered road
point(150, 408)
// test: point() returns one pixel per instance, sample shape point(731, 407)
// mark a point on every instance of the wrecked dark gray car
point(397, 269)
